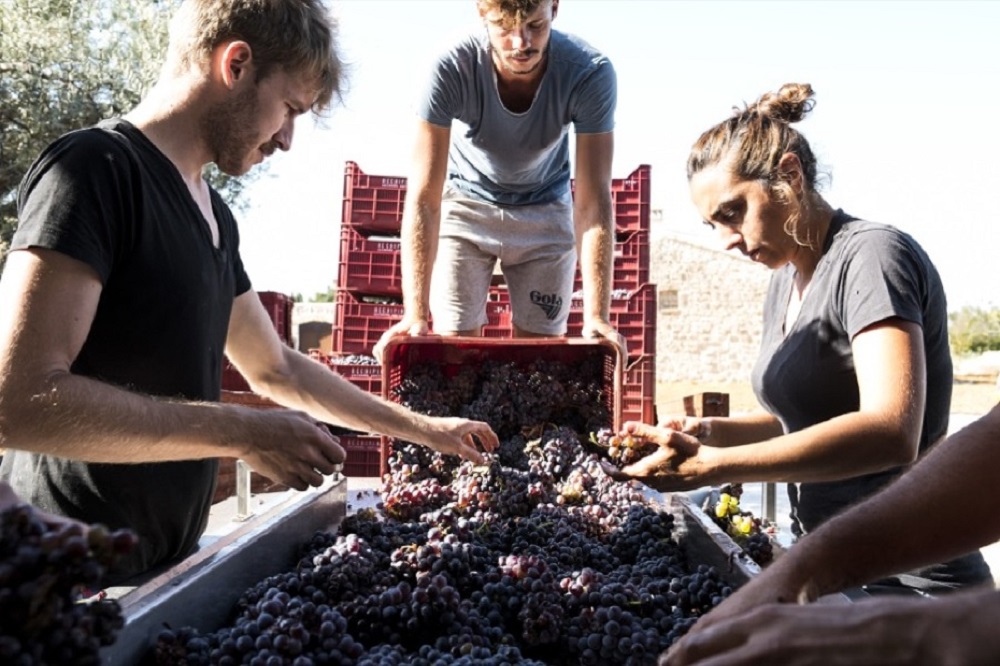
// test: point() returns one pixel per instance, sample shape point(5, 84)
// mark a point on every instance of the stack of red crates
point(279, 307)
point(369, 284)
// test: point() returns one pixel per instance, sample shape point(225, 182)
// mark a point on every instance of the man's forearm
point(85, 419)
point(595, 247)
point(928, 515)
point(418, 249)
point(328, 397)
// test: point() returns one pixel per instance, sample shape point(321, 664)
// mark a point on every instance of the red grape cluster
point(535, 557)
point(45, 572)
point(621, 450)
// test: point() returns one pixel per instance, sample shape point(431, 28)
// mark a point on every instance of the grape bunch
point(534, 557)
point(621, 450)
point(748, 531)
point(47, 572)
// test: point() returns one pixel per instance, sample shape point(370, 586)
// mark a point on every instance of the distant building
point(710, 305)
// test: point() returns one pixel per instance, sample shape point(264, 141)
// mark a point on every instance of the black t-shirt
point(108, 197)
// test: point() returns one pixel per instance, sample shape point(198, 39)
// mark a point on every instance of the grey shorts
point(536, 250)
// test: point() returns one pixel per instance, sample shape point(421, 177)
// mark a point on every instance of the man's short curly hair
point(298, 36)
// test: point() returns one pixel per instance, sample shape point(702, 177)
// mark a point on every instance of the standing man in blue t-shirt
point(497, 187)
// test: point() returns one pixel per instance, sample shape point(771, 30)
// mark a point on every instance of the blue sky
point(908, 95)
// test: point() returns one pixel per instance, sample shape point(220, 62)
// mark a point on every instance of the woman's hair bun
point(790, 104)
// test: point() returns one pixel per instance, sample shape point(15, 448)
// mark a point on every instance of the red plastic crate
point(631, 263)
point(359, 324)
point(639, 390)
point(366, 376)
point(375, 203)
point(279, 307)
point(630, 200)
point(372, 265)
point(372, 203)
point(364, 454)
point(454, 353)
point(232, 380)
point(369, 265)
point(634, 317)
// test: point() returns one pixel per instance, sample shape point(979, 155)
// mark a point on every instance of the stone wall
point(709, 305)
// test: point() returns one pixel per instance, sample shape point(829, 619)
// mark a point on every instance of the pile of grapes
point(749, 532)
point(622, 450)
point(45, 573)
point(535, 557)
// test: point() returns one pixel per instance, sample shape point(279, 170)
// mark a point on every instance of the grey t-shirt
point(517, 158)
point(868, 273)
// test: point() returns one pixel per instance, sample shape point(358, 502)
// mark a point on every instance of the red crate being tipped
point(375, 203)
point(451, 354)
point(633, 316)
point(361, 321)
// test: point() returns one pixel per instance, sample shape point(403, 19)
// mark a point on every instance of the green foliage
point(974, 330)
point(66, 64)
point(329, 296)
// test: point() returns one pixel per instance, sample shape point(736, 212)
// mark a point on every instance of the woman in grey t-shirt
point(854, 370)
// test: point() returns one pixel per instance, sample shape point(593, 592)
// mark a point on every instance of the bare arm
point(49, 301)
point(294, 380)
point(721, 430)
point(421, 225)
point(883, 433)
point(957, 629)
point(925, 516)
point(594, 224)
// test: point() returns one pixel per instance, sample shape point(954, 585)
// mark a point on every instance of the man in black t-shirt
point(124, 289)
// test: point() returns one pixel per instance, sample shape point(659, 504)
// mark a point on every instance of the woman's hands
point(681, 461)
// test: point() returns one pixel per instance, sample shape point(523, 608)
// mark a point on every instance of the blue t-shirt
point(518, 158)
